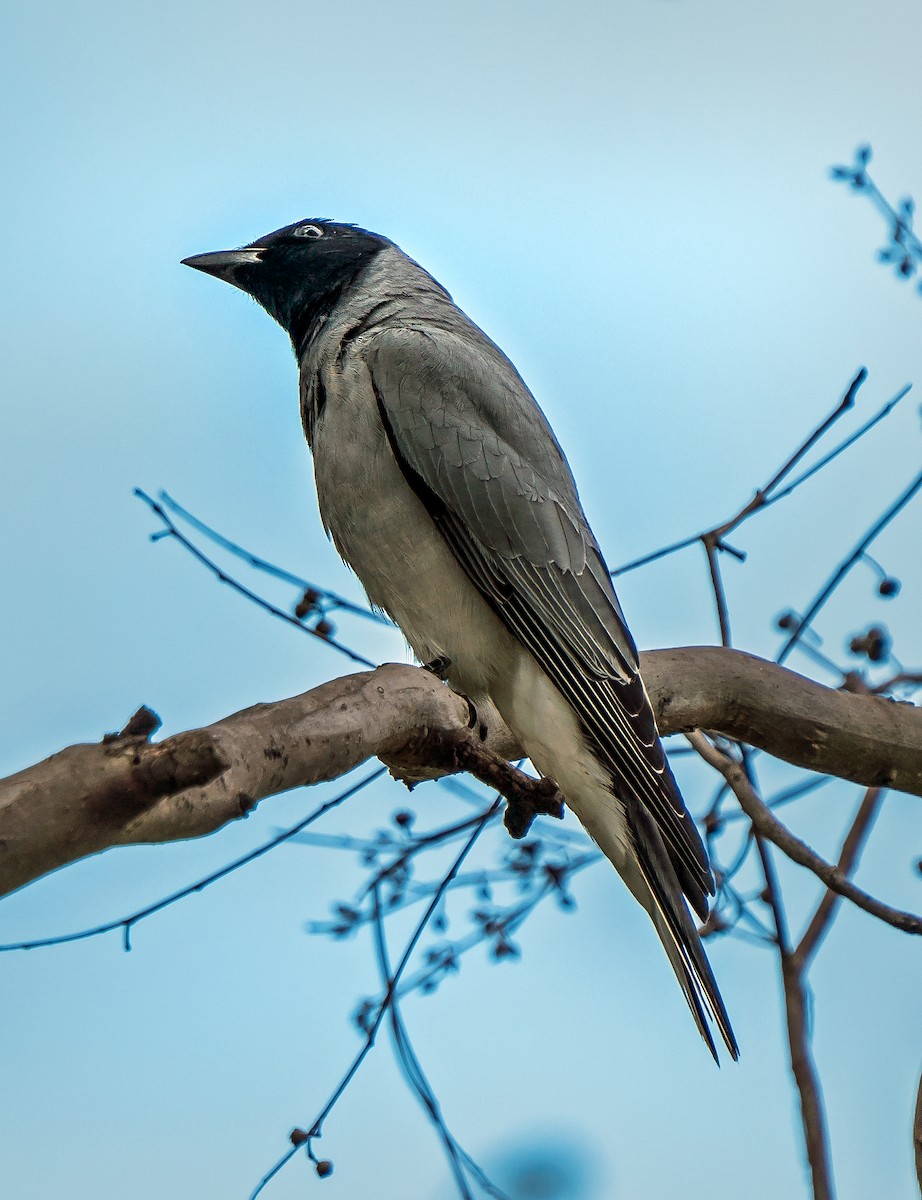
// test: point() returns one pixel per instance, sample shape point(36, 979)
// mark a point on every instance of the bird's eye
point(308, 231)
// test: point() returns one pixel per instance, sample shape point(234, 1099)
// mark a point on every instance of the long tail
point(624, 829)
point(657, 887)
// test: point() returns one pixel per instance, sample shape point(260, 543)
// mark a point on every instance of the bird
point(443, 486)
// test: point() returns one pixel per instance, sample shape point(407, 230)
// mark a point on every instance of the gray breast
point(376, 521)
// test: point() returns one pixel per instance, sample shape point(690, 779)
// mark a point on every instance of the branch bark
point(917, 1135)
point(797, 1021)
point(125, 790)
point(787, 715)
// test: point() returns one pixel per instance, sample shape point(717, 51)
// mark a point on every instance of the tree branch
point(917, 1135)
point(848, 861)
point(788, 716)
point(125, 790)
point(769, 827)
point(797, 1020)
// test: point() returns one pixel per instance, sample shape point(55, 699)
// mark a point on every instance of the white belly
point(385, 534)
point(383, 531)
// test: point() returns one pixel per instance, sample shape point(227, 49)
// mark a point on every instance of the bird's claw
point(438, 666)
point(473, 719)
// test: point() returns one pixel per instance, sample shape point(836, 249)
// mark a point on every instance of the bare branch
point(848, 860)
point(766, 495)
point(797, 1023)
point(124, 790)
point(846, 565)
point(917, 1135)
point(865, 739)
point(770, 828)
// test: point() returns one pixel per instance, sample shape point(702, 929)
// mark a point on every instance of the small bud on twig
point(874, 643)
point(307, 604)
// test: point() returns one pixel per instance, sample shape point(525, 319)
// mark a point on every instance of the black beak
point(224, 263)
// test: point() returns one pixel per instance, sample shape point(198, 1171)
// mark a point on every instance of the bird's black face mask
point(296, 273)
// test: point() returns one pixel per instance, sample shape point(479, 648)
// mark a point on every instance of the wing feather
point(481, 455)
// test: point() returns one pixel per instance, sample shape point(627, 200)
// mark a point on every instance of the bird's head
point(297, 273)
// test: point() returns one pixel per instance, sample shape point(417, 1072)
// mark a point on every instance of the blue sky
point(633, 200)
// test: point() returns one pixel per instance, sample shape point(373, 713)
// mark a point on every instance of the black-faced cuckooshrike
point(444, 488)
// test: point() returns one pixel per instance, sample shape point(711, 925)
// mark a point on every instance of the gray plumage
point(443, 486)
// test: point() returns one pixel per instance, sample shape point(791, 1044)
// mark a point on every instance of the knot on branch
point(190, 760)
point(154, 772)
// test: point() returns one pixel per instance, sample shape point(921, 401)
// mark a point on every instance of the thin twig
point(128, 923)
point(901, 679)
point(417, 1079)
point(797, 1021)
point(413, 1072)
point(847, 402)
point(796, 792)
point(437, 837)
point(764, 496)
point(173, 531)
point(848, 859)
point(806, 1078)
point(846, 565)
point(435, 1115)
point(316, 1128)
point(803, 1067)
point(720, 597)
point(774, 831)
point(917, 1135)
point(503, 925)
point(905, 249)
point(887, 210)
point(842, 446)
point(334, 600)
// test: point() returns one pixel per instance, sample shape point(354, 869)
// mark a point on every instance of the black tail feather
point(677, 930)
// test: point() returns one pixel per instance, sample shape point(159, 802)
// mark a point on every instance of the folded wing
point(476, 448)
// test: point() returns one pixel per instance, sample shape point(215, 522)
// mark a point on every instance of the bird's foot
point(438, 667)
